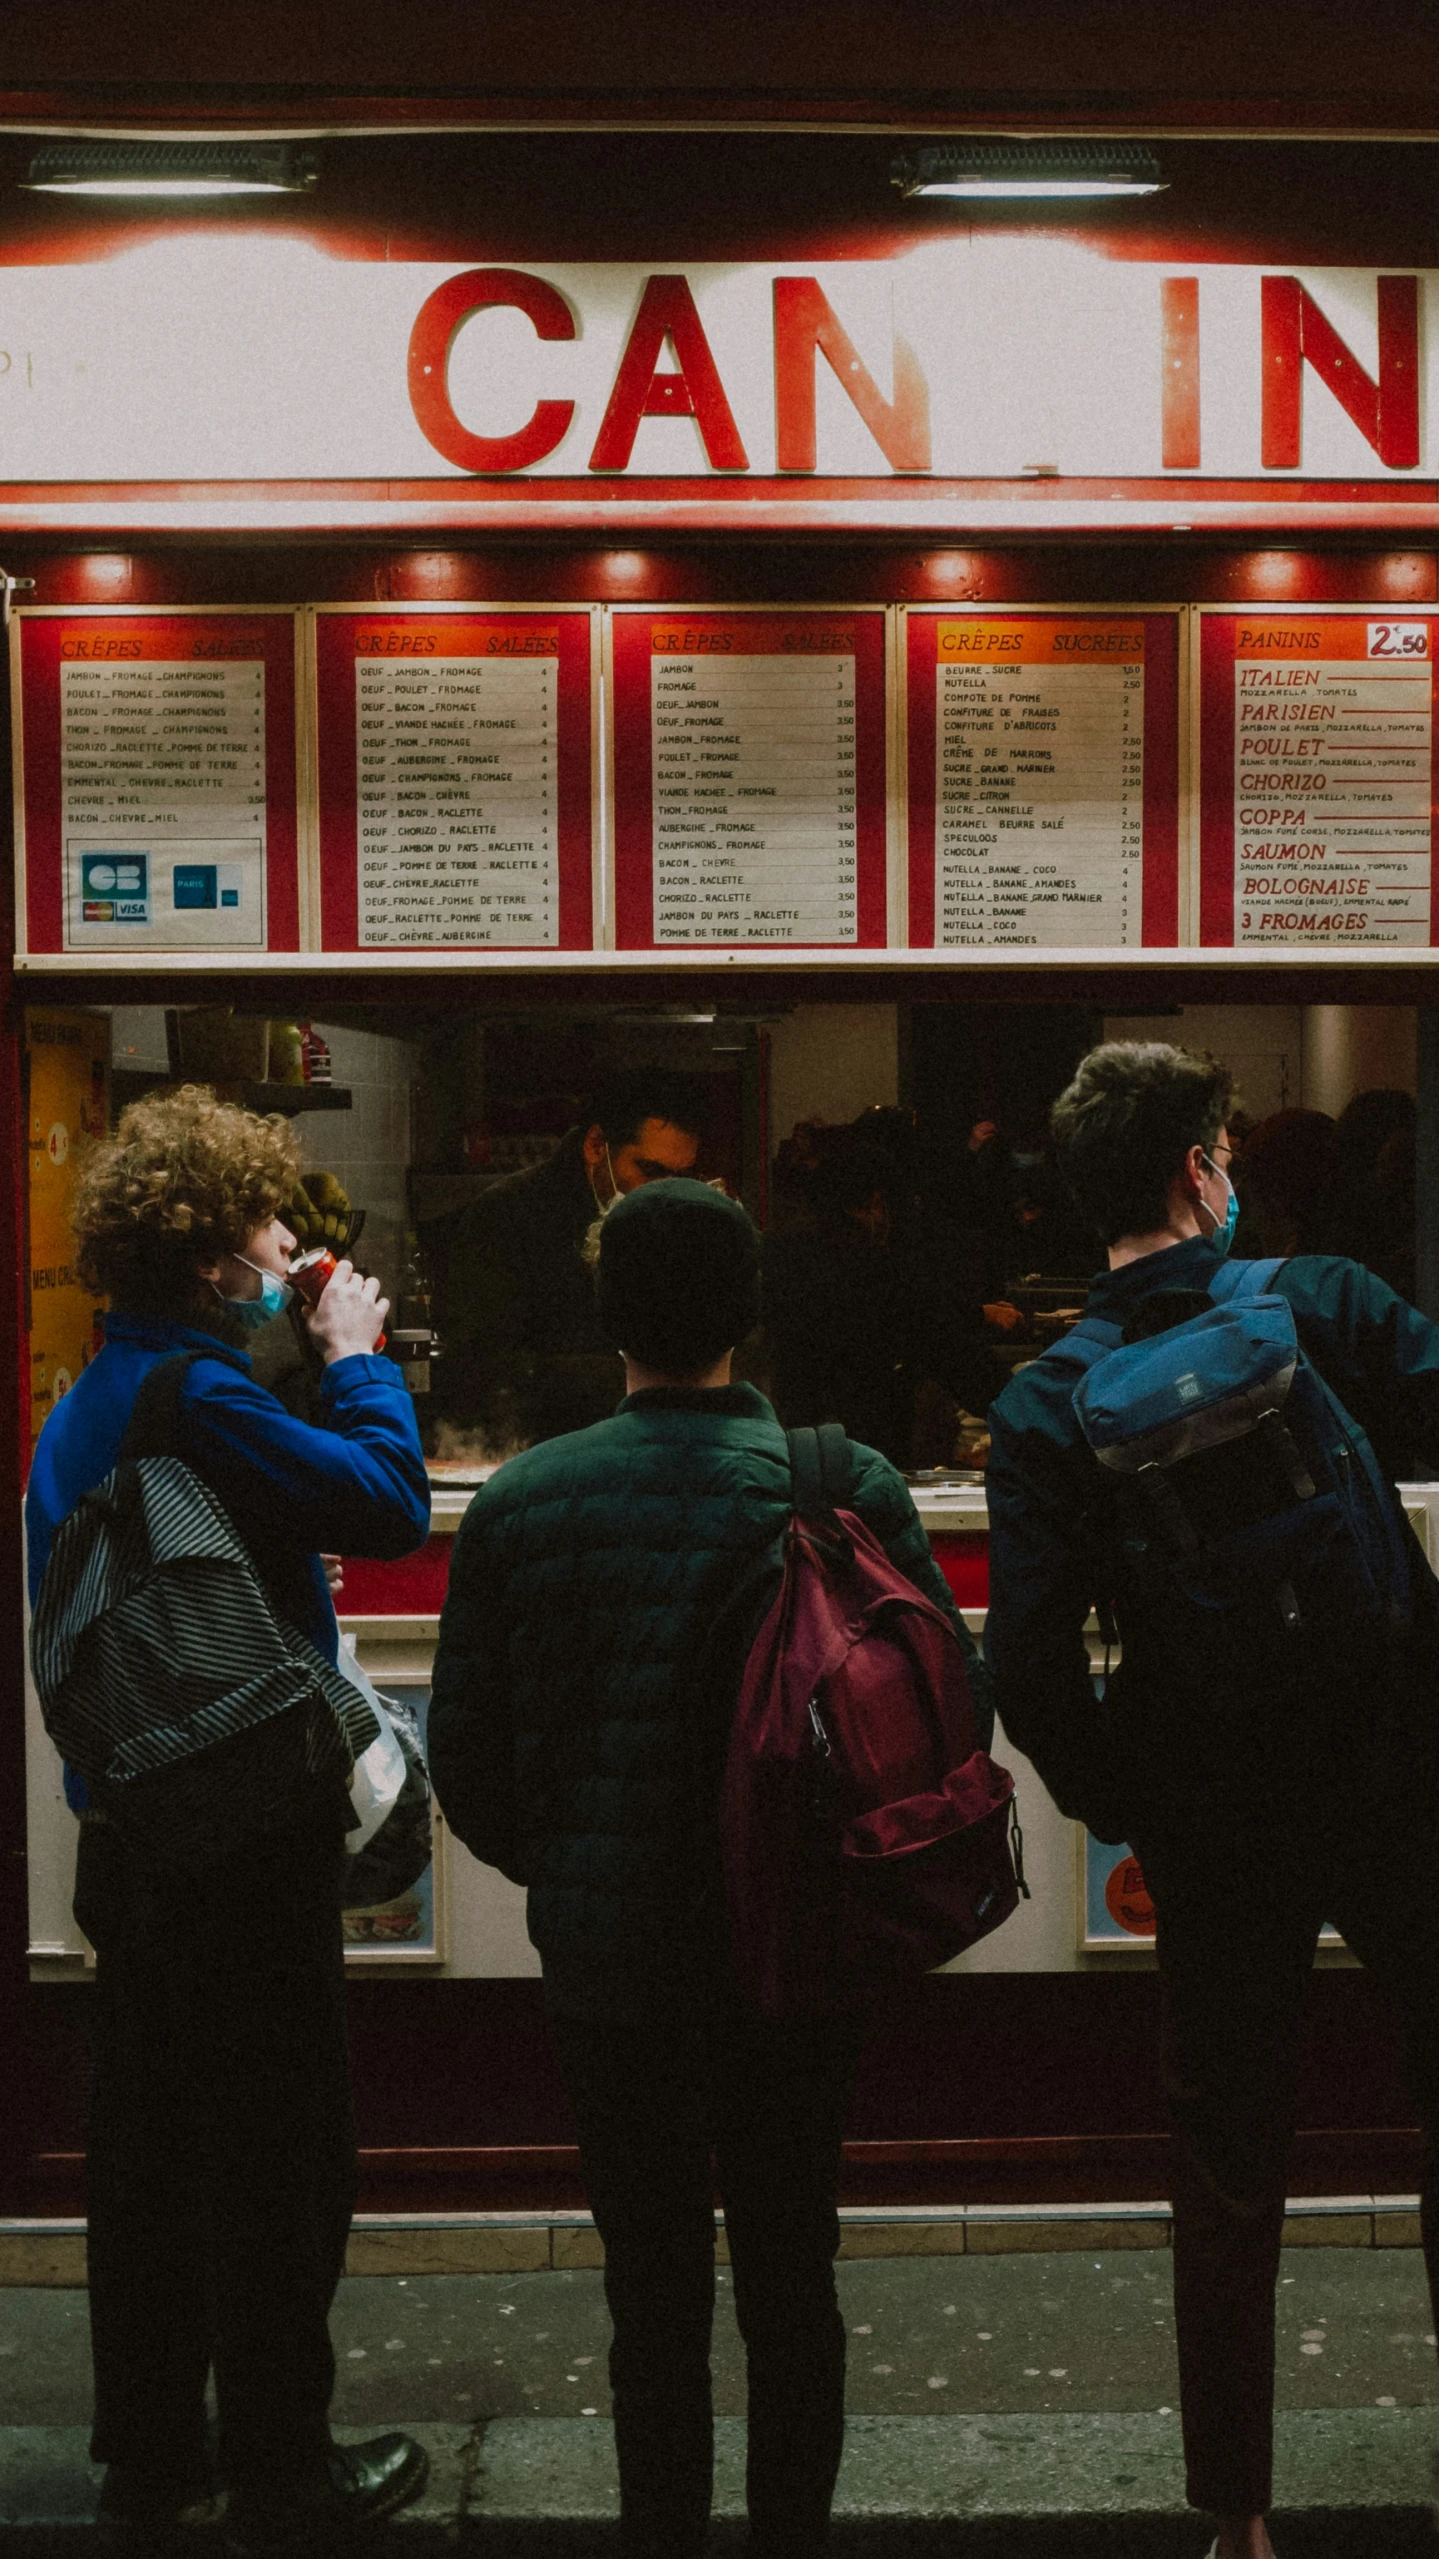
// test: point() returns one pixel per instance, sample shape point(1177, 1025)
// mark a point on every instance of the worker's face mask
point(275, 1295)
point(1223, 1235)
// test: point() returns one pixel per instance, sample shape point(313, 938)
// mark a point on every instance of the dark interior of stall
point(919, 1242)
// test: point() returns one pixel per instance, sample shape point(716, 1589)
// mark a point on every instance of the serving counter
point(1087, 1902)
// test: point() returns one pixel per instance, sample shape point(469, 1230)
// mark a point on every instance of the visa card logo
point(115, 888)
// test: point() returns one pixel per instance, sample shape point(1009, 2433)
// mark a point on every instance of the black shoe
point(360, 2484)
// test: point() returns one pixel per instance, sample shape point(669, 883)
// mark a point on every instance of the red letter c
point(431, 339)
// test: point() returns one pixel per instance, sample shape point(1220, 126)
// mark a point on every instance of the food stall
point(805, 649)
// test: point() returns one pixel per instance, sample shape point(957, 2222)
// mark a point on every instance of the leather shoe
point(360, 2484)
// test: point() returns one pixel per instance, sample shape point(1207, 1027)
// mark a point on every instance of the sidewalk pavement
point(1008, 2405)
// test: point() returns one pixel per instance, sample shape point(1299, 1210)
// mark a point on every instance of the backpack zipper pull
point(820, 1736)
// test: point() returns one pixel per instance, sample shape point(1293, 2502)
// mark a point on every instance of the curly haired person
point(220, 2158)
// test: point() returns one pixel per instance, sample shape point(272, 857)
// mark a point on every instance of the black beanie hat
point(678, 1276)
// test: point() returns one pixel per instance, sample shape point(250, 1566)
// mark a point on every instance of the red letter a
point(806, 328)
point(667, 312)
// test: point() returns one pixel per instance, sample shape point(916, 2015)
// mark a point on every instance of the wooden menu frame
point(45, 637)
point(633, 632)
point(1162, 819)
point(397, 630)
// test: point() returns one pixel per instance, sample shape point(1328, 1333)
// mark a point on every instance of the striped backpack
point(198, 1719)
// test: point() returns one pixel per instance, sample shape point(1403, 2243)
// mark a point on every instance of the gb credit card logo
point(114, 888)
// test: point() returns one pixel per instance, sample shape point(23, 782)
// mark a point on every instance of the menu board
point(155, 782)
point(1043, 763)
point(455, 780)
point(749, 779)
point(1317, 791)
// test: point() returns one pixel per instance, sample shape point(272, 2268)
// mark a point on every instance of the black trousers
point(654, 2099)
point(221, 2157)
point(1240, 1905)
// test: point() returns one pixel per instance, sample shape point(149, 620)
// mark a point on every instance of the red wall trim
point(935, 510)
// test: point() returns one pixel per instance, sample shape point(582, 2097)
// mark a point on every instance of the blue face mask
point(275, 1295)
point(1223, 1235)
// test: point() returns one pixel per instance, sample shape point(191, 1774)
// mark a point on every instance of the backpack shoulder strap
point(820, 1469)
point(1238, 1280)
point(1089, 1341)
point(154, 1426)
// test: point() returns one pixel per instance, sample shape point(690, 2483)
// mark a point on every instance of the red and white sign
point(749, 779)
point(156, 769)
point(1317, 780)
point(1043, 778)
point(454, 758)
point(977, 355)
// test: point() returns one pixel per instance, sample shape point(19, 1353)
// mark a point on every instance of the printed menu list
point(1332, 791)
point(161, 761)
point(1039, 781)
point(456, 787)
point(754, 785)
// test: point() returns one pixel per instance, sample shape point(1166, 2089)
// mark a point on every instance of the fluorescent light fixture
point(1029, 170)
point(148, 170)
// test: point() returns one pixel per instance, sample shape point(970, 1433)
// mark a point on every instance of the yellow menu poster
point(67, 1060)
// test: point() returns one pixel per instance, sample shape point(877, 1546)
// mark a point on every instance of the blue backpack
point(1248, 1518)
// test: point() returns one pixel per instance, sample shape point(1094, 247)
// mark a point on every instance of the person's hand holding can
point(350, 1315)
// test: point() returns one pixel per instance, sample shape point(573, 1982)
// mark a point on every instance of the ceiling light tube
point(1028, 171)
point(148, 170)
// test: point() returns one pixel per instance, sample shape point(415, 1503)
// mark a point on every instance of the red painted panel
point(1216, 781)
point(411, 1586)
point(269, 637)
point(338, 646)
point(568, 570)
point(964, 1562)
point(414, 1586)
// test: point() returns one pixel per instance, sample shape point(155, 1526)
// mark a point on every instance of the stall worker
point(524, 1357)
point(220, 2174)
point(1269, 1745)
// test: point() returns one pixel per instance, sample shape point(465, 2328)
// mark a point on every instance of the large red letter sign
point(433, 335)
point(1296, 333)
point(1179, 304)
point(667, 312)
point(805, 328)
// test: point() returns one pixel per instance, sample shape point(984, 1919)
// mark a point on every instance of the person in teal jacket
point(569, 1746)
point(1311, 1796)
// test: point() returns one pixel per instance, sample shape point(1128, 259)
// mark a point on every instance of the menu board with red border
point(454, 778)
point(156, 799)
point(1043, 778)
point(1317, 784)
point(749, 779)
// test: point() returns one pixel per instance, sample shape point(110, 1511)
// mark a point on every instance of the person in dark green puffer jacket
point(573, 1744)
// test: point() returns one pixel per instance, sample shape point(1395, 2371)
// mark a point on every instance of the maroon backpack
point(864, 1831)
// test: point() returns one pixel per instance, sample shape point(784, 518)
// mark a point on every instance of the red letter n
point(1295, 333)
point(805, 328)
point(667, 313)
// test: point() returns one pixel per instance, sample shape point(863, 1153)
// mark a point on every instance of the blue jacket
point(1377, 1353)
point(355, 1487)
